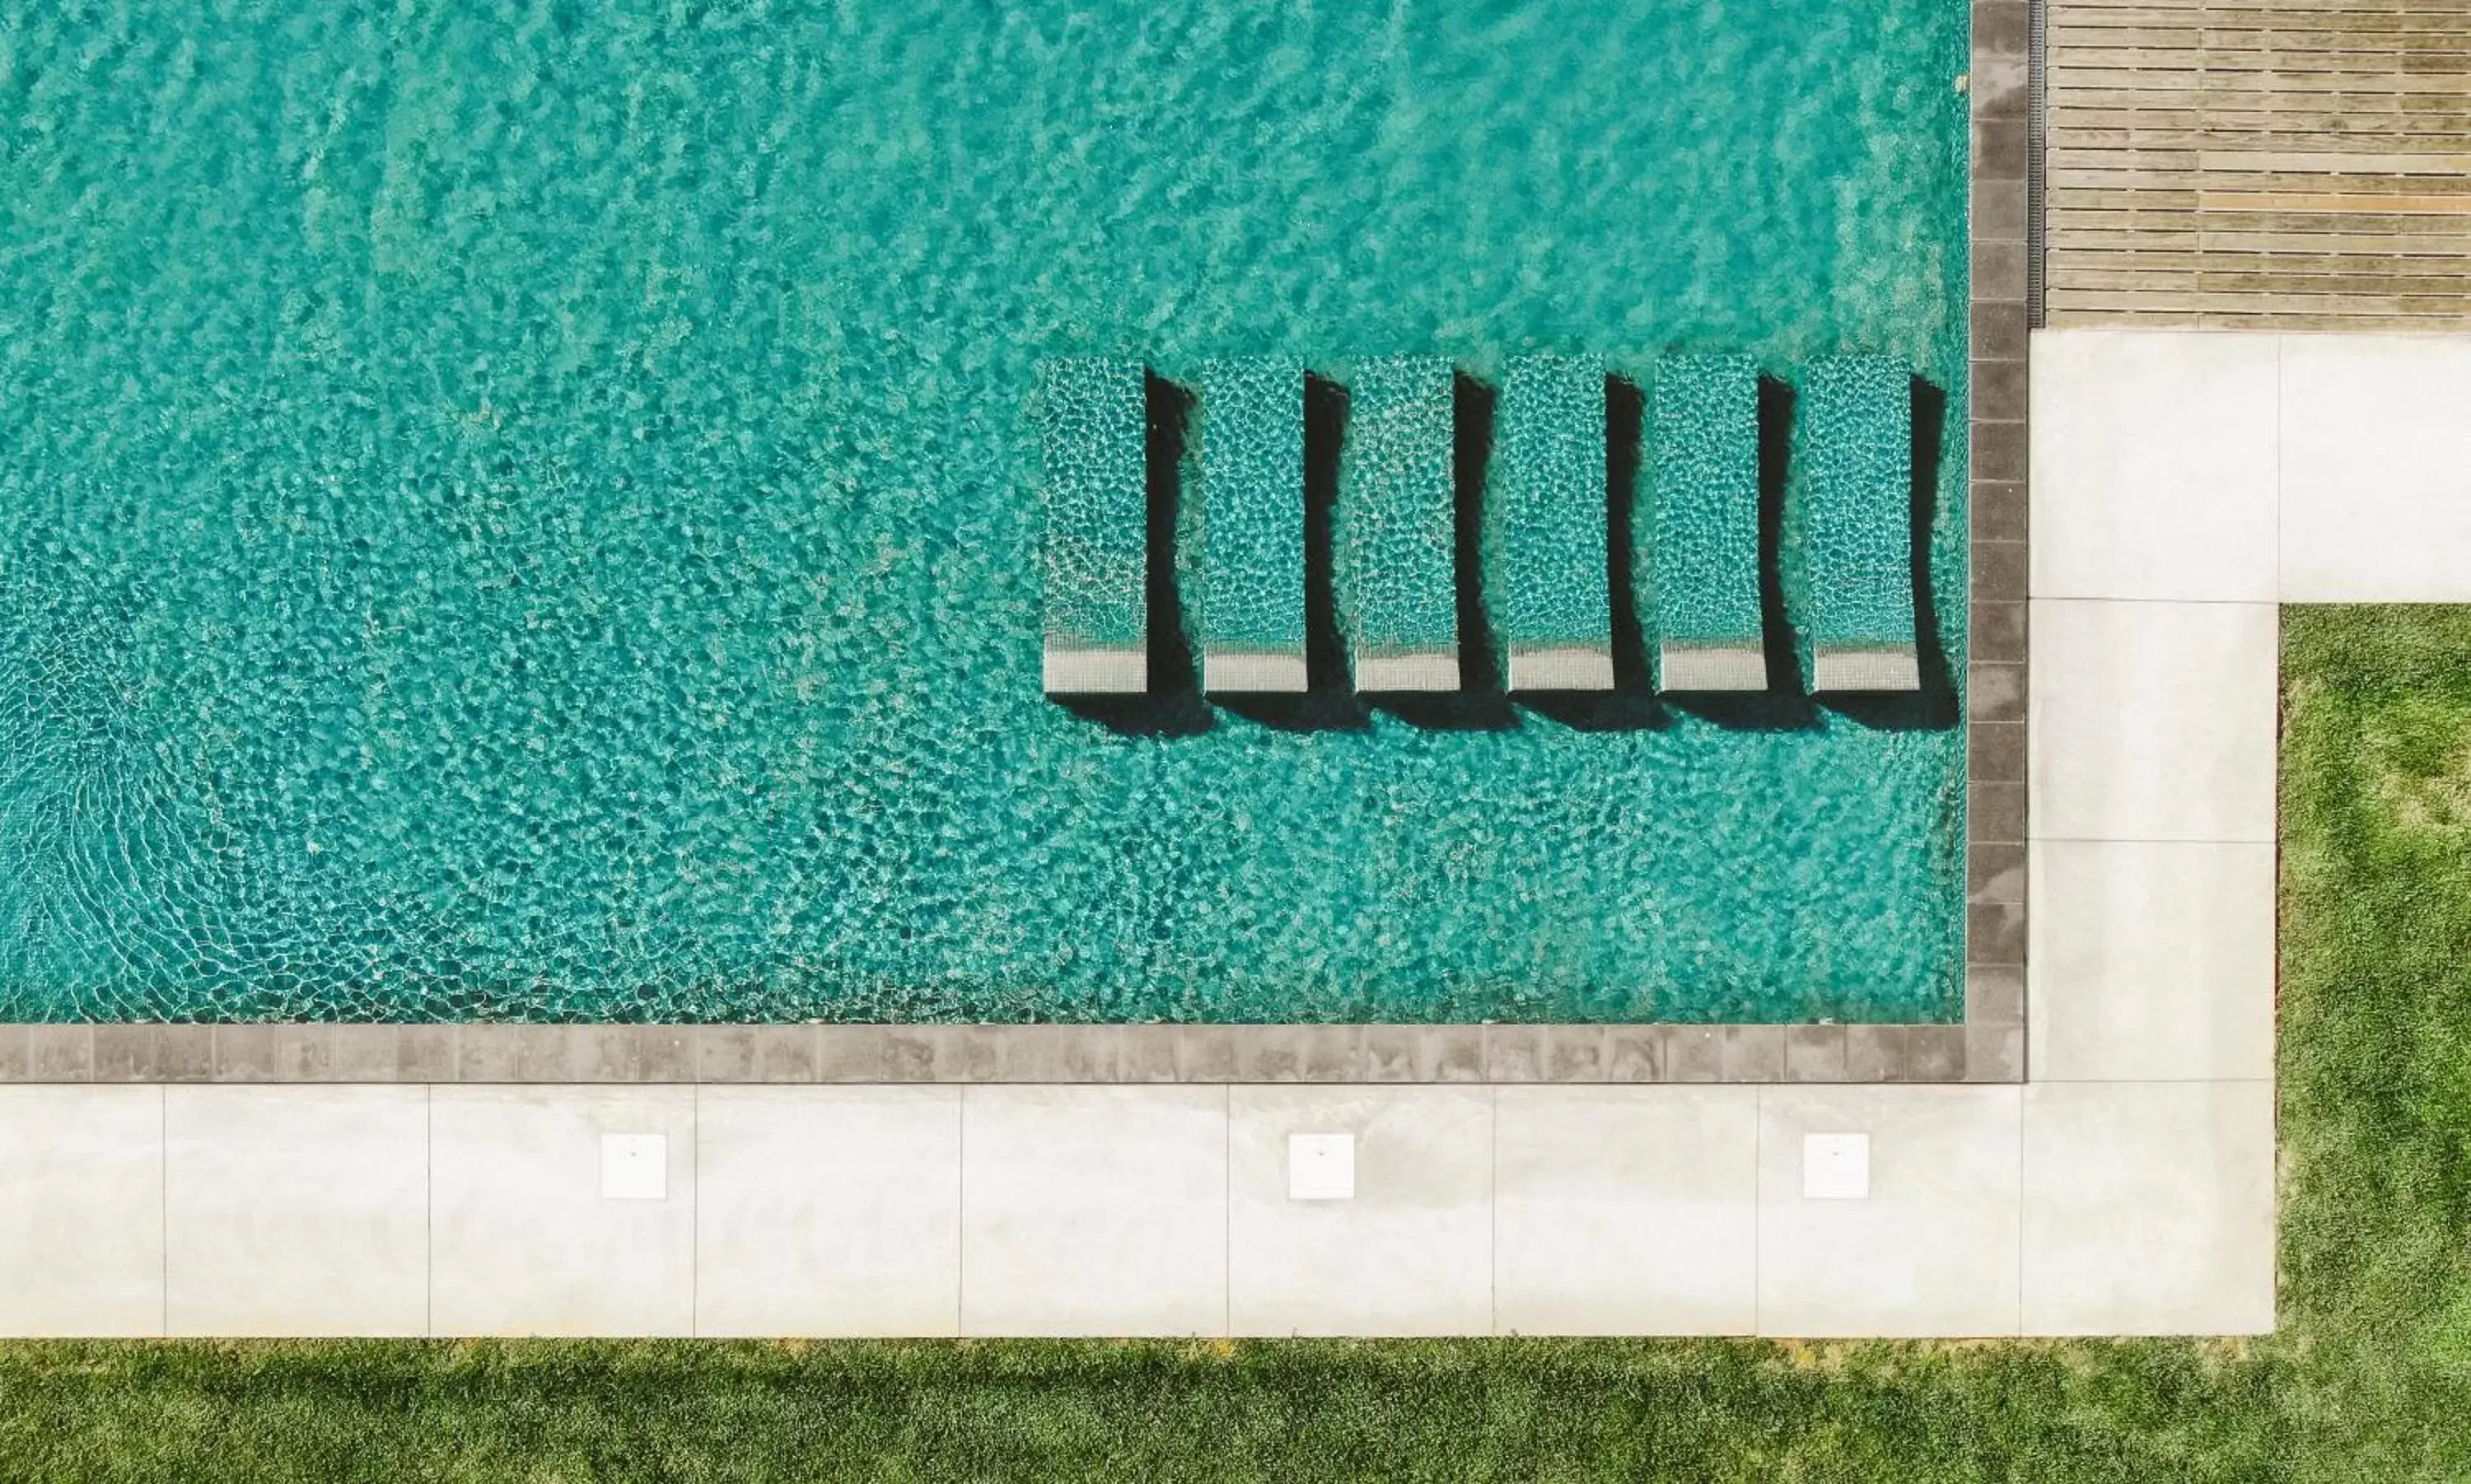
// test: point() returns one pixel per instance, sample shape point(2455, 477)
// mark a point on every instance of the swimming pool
point(528, 512)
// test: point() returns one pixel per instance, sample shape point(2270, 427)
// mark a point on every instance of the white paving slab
point(829, 1211)
point(2149, 1207)
point(2153, 720)
point(522, 1239)
point(2375, 451)
point(2150, 961)
point(81, 1211)
point(1410, 1252)
point(1932, 1251)
point(297, 1209)
point(2154, 466)
point(1094, 1210)
point(1626, 1210)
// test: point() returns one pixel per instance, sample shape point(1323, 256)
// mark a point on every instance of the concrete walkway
point(813, 1210)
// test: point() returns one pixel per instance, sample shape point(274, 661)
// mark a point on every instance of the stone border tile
point(1637, 1053)
point(185, 1054)
point(755, 1054)
point(1752, 1053)
point(1877, 1053)
point(368, 1053)
point(664, 1053)
point(1514, 1053)
point(424, 1053)
point(2000, 631)
point(1995, 995)
point(1057, 1053)
point(1576, 1053)
point(1694, 1053)
point(1937, 1053)
point(128, 1053)
point(1995, 814)
point(1205, 1053)
point(886, 1053)
point(2002, 513)
point(1995, 872)
point(1816, 1053)
point(1992, 1053)
point(1994, 752)
point(60, 1053)
point(1403, 1053)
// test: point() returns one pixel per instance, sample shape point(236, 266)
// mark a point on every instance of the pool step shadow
point(1174, 705)
point(1934, 705)
point(1329, 702)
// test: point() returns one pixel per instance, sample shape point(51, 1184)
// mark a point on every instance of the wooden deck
point(2259, 163)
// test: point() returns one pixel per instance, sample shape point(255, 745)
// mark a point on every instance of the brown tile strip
point(1085, 1054)
point(1989, 1046)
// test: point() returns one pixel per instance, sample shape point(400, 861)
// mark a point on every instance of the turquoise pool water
point(525, 510)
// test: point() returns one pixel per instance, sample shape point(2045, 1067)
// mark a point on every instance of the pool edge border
point(2000, 211)
point(1086, 1054)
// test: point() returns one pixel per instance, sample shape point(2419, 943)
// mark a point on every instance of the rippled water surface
point(525, 510)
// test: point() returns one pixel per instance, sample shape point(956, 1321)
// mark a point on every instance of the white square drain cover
point(635, 1166)
point(1320, 1166)
point(1836, 1166)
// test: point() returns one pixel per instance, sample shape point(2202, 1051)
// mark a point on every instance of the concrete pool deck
point(2186, 484)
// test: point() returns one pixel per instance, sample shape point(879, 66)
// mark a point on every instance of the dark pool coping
point(2000, 206)
point(1131, 1054)
point(1989, 1046)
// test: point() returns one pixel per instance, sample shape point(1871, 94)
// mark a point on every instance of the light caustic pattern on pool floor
point(525, 511)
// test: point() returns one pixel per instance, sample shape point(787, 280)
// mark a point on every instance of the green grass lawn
point(2369, 1378)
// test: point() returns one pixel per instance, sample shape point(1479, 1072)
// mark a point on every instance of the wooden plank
point(2442, 254)
point(2061, 197)
point(2238, 301)
point(2141, 312)
point(2254, 279)
point(2082, 143)
point(2162, 249)
point(2433, 224)
point(2141, 237)
point(2336, 162)
point(2335, 203)
point(2128, 159)
point(2448, 71)
point(2397, 31)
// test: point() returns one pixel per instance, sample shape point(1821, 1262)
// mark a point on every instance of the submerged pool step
point(1241, 557)
point(1092, 423)
point(1247, 547)
point(1394, 543)
point(1855, 426)
point(1547, 581)
point(1703, 524)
